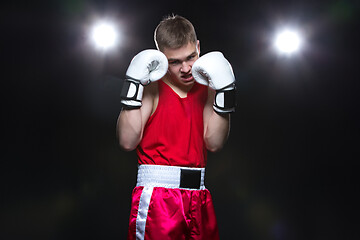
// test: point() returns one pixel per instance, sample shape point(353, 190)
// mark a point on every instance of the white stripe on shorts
point(142, 212)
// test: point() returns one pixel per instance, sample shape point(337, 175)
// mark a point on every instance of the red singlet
point(174, 133)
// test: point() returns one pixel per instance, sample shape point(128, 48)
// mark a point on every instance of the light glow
point(288, 41)
point(104, 35)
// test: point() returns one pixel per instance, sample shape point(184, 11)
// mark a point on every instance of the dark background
point(288, 171)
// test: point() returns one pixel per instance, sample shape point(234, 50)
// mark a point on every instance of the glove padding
point(147, 66)
point(214, 70)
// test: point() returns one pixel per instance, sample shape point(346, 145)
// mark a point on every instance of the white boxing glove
point(214, 70)
point(147, 66)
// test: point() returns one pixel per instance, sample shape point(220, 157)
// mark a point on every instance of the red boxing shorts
point(170, 203)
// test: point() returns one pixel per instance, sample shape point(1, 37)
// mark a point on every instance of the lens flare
point(104, 35)
point(288, 41)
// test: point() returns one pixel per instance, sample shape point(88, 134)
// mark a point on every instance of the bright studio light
point(288, 41)
point(104, 35)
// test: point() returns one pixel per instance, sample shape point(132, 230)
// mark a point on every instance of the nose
point(185, 67)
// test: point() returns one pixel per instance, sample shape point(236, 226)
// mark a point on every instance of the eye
point(174, 63)
point(191, 57)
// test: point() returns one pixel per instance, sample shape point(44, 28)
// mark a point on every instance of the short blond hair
point(174, 32)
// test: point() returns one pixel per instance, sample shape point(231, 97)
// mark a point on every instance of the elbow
point(214, 143)
point(127, 146)
point(214, 147)
point(126, 142)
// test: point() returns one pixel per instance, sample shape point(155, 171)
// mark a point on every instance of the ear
point(198, 47)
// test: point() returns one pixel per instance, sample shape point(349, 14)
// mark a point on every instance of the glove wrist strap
point(131, 93)
point(225, 99)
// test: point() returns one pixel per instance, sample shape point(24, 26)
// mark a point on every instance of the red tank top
point(174, 133)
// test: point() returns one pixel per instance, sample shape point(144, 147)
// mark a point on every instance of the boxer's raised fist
point(214, 70)
point(147, 66)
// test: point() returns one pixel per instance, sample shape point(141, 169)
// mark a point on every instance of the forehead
point(181, 52)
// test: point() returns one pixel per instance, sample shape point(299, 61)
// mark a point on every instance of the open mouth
point(187, 77)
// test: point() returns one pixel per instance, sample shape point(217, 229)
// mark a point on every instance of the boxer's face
point(180, 63)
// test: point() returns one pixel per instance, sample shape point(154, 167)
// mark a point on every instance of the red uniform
point(174, 134)
point(172, 151)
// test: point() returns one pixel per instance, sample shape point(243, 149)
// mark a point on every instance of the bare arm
point(216, 126)
point(130, 124)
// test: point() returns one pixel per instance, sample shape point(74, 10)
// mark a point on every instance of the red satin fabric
point(176, 214)
point(174, 134)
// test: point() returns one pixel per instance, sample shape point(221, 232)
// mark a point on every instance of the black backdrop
point(288, 171)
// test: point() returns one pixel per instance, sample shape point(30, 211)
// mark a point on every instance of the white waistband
point(164, 176)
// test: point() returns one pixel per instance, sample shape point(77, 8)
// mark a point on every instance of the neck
point(181, 90)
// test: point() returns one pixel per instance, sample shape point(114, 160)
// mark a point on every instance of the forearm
point(146, 67)
point(215, 71)
point(129, 128)
point(217, 131)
